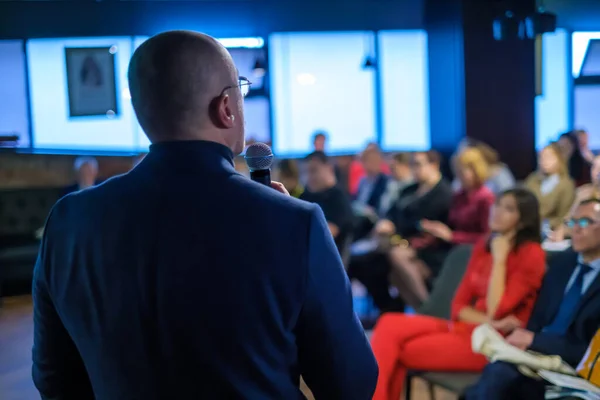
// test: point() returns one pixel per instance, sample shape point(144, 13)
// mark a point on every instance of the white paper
point(549, 245)
point(567, 381)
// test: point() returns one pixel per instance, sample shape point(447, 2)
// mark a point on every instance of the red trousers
point(401, 342)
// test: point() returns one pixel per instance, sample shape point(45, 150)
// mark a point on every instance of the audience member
point(584, 192)
point(578, 167)
point(465, 143)
point(371, 189)
point(500, 286)
point(356, 171)
point(320, 141)
point(374, 183)
point(419, 258)
point(401, 177)
point(429, 197)
point(323, 190)
point(86, 169)
point(552, 186)
point(560, 325)
point(583, 140)
point(467, 222)
point(501, 178)
point(288, 174)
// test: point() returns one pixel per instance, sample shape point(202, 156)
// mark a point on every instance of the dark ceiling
point(576, 15)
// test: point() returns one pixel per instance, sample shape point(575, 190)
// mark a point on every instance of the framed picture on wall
point(91, 81)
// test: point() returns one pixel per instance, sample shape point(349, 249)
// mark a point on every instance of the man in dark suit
point(322, 189)
point(373, 185)
point(560, 325)
point(184, 280)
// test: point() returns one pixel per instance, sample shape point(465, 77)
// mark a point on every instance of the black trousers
point(373, 270)
point(503, 381)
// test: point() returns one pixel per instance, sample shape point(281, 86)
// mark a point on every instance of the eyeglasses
point(581, 222)
point(244, 85)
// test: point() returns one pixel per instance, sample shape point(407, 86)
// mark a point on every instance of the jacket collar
point(189, 155)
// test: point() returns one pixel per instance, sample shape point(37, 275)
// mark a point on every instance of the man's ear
point(220, 113)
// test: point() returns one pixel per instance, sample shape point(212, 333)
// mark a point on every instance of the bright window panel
point(587, 99)
point(53, 128)
point(405, 90)
point(580, 43)
point(13, 92)
point(318, 84)
point(257, 113)
point(552, 107)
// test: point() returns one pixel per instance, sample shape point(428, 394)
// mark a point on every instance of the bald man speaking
point(182, 279)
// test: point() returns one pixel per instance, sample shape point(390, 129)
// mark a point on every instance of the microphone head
point(258, 157)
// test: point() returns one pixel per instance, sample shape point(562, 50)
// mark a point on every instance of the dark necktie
point(569, 303)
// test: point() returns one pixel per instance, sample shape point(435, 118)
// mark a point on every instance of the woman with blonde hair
point(552, 186)
point(500, 178)
point(467, 222)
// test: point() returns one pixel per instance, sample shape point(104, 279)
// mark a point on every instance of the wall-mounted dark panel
point(25, 19)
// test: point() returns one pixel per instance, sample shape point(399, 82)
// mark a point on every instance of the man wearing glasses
point(566, 314)
point(183, 279)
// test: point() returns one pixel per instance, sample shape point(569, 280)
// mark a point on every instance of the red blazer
point(525, 269)
point(469, 215)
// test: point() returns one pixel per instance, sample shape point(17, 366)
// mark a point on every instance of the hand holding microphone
point(259, 159)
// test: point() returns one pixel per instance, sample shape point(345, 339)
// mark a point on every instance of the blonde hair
point(563, 169)
point(473, 158)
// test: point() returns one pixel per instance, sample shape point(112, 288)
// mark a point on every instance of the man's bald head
point(175, 78)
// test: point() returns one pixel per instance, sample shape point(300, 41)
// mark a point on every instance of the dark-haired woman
point(499, 287)
point(579, 167)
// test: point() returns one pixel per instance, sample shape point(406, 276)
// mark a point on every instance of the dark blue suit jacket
point(585, 321)
point(378, 189)
point(182, 279)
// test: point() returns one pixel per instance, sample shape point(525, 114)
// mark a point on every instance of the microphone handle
point(262, 176)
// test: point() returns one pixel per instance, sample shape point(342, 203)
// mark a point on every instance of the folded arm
point(569, 350)
point(58, 370)
point(335, 357)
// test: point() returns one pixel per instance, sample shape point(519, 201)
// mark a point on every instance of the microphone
point(259, 158)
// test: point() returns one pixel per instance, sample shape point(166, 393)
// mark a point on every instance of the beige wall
point(43, 170)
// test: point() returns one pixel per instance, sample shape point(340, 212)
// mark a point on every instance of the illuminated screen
point(54, 126)
point(552, 107)
point(318, 83)
point(586, 74)
point(405, 90)
point(14, 122)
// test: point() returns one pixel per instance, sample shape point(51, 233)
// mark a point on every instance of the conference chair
point(438, 305)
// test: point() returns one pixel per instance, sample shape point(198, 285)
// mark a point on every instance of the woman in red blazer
point(499, 287)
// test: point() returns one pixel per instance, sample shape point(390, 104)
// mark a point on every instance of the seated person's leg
point(372, 270)
point(438, 351)
point(390, 337)
point(503, 381)
point(409, 270)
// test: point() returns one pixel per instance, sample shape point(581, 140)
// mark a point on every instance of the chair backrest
point(440, 299)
